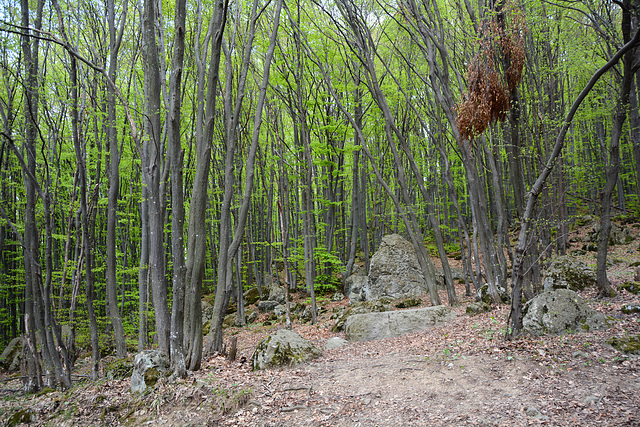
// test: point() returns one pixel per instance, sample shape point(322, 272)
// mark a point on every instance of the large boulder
point(10, 358)
point(276, 293)
point(283, 348)
point(395, 271)
point(355, 285)
point(560, 311)
point(568, 273)
point(251, 296)
point(373, 326)
point(617, 235)
point(207, 312)
point(148, 367)
point(363, 307)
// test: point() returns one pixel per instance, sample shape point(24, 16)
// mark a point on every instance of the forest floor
point(461, 373)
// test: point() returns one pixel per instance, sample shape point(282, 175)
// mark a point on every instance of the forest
point(158, 153)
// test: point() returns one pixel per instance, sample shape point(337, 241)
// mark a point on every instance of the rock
point(560, 311)
point(207, 312)
point(305, 314)
point(630, 309)
point(372, 326)
point(338, 296)
point(267, 306)
point(148, 367)
point(360, 308)
point(457, 274)
point(568, 273)
point(276, 293)
point(21, 416)
point(617, 235)
point(483, 294)
point(229, 320)
point(631, 287)
point(279, 310)
point(533, 412)
point(252, 316)
point(335, 342)
point(476, 308)
point(10, 357)
point(409, 302)
point(283, 348)
point(440, 283)
point(251, 296)
point(354, 286)
point(585, 219)
point(628, 345)
point(395, 271)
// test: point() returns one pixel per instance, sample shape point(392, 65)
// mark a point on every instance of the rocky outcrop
point(568, 273)
point(628, 345)
point(372, 326)
point(361, 308)
point(10, 358)
point(395, 271)
point(355, 285)
point(335, 342)
point(617, 235)
point(148, 367)
point(476, 308)
point(283, 348)
point(560, 311)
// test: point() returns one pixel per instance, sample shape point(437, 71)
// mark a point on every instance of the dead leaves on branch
point(494, 73)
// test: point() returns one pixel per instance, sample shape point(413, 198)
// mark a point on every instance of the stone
point(373, 326)
point(119, 369)
point(267, 306)
point(10, 357)
point(476, 308)
point(630, 309)
point(283, 348)
point(276, 293)
point(632, 287)
point(395, 271)
point(279, 310)
point(338, 296)
point(354, 287)
point(207, 312)
point(627, 345)
point(251, 296)
point(360, 308)
point(252, 316)
point(148, 367)
point(617, 235)
point(482, 295)
point(559, 312)
point(335, 342)
point(569, 273)
point(408, 302)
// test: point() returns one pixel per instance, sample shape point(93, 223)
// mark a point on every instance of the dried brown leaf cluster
point(493, 74)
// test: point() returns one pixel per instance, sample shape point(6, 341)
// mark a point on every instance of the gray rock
point(338, 296)
point(354, 287)
point(148, 367)
point(207, 312)
point(252, 316)
point(266, 306)
point(360, 308)
point(251, 296)
point(283, 348)
point(371, 326)
point(476, 308)
point(279, 310)
point(560, 311)
point(335, 342)
point(276, 293)
point(395, 271)
point(617, 235)
point(568, 273)
point(482, 295)
point(10, 358)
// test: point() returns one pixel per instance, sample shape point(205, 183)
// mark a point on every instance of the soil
point(461, 373)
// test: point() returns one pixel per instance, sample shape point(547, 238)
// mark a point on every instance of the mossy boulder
point(10, 358)
point(569, 273)
point(630, 309)
point(148, 367)
point(628, 345)
point(251, 296)
point(377, 305)
point(559, 312)
point(476, 308)
point(283, 348)
point(119, 369)
point(408, 302)
point(483, 295)
point(631, 287)
point(21, 416)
